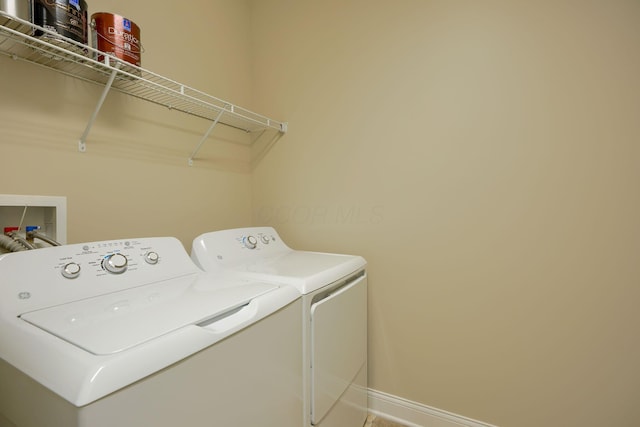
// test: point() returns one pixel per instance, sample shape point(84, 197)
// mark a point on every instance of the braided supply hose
point(10, 244)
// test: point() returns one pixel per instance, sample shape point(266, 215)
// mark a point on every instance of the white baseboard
point(415, 414)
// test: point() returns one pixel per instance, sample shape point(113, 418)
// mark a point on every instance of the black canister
point(68, 18)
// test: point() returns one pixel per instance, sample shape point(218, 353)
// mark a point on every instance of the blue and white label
point(75, 3)
point(126, 24)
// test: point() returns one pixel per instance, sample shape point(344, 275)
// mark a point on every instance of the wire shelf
point(66, 56)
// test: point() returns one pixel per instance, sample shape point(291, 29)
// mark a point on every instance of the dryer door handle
point(338, 287)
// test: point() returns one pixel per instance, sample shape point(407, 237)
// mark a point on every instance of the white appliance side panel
point(338, 345)
point(252, 378)
point(352, 408)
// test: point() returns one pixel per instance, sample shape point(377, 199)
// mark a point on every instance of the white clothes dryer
point(131, 333)
point(333, 291)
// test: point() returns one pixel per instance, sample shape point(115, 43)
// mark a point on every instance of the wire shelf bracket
point(204, 138)
point(82, 144)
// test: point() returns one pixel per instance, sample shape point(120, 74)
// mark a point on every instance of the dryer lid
point(118, 321)
point(307, 271)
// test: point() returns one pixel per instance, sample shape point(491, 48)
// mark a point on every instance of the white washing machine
point(333, 290)
point(131, 333)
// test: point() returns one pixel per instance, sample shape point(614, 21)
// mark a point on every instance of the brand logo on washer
point(24, 295)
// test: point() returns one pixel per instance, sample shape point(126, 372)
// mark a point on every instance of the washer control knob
point(151, 257)
point(265, 239)
point(115, 263)
point(71, 270)
point(250, 242)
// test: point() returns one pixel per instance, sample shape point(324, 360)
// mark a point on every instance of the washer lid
point(115, 322)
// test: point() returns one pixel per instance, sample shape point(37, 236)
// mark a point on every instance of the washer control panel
point(57, 275)
point(114, 257)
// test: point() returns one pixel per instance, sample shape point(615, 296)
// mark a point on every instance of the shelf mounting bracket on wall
point(82, 145)
point(206, 135)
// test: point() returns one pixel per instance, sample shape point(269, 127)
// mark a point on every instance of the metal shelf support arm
point(82, 146)
point(206, 135)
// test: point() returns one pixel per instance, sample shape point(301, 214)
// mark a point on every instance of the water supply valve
point(9, 230)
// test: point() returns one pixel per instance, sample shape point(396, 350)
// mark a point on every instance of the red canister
point(116, 36)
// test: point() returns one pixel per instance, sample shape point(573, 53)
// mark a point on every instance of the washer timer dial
point(115, 263)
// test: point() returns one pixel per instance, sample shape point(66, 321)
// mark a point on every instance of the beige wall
point(484, 156)
point(134, 179)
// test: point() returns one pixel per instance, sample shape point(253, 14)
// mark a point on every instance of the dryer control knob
point(151, 257)
point(265, 239)
point(250, 242)
point(115, 263)
point(71, 270)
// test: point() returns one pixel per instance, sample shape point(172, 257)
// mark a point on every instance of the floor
point(373, 421)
